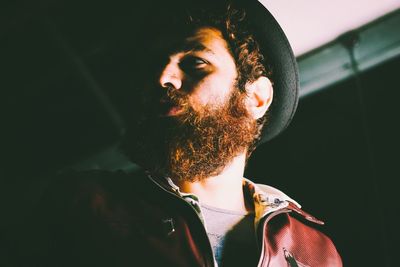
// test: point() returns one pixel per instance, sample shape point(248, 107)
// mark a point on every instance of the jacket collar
point(266, 199)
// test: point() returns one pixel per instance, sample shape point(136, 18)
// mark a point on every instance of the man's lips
point(168, 109)
point(174, 111)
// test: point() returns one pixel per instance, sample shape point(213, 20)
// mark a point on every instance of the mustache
point(175, 97)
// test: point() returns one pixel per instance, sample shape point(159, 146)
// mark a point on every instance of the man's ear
point(259, 97)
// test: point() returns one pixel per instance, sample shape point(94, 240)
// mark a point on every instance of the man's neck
point(223, 191)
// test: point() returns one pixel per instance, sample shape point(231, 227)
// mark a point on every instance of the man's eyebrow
point(196, 47)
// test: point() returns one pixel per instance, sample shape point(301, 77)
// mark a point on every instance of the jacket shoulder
point(85, 218)
point(292, 238)
point(84, 195)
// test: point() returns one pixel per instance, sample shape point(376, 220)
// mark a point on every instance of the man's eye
point(198, 61)
point(192, 63)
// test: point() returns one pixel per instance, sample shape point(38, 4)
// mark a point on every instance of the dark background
point(324, 161)
point(61, 107)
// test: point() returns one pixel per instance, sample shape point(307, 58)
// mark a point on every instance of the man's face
point(203, 70)
point(194, 120)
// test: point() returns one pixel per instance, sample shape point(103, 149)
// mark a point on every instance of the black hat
point(285, 76)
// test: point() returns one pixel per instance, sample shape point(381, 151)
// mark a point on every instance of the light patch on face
point(217, 75)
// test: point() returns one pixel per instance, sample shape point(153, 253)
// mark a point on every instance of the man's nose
point(171, 76)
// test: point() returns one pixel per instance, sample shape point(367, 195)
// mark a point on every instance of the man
point(210, 93)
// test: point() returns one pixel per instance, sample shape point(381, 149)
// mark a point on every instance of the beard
point(193, 145)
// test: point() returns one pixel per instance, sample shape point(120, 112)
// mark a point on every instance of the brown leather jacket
point(100, 218)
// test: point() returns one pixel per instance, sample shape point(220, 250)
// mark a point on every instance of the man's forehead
point(202, 39)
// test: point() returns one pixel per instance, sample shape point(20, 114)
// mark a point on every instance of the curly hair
point(234, 26)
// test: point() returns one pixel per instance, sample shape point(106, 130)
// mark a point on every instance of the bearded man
point(217, 79)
